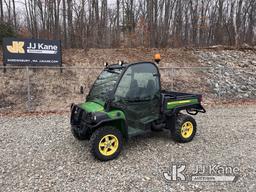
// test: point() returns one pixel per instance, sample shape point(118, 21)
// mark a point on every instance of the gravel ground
point(38, 153)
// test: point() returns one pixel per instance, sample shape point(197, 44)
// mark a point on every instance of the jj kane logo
point(41, 48)
point(16, 47)
point(203, 173)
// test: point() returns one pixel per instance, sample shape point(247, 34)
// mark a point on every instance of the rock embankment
point(233, 73)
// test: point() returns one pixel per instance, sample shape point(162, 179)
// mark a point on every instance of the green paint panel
point(95, 107)
point(173, 104)
point(92, 107)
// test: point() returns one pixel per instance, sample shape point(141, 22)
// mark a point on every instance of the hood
point(92, 107)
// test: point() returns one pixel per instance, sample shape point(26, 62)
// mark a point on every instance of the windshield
point(104, 84)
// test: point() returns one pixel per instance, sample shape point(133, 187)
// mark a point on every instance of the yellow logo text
point(16, 47)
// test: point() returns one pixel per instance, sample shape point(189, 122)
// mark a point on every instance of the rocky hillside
point(217, 73)
point(234, 75)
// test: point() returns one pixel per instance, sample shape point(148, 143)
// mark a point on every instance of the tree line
point(134, 23)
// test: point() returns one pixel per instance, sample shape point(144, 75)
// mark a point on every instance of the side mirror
point(110, 98)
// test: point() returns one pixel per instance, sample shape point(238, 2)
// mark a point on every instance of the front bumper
point(78, 120)
point(84, 120)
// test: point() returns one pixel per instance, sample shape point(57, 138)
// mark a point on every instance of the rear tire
point(185, 128)
point(106, 143)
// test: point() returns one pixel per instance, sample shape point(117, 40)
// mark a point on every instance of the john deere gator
point(126, 100)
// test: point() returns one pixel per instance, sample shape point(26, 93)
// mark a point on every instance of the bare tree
point(2, 11)
point(14, 14)
point(70, 23)
point(64, 22)
point(8, 6)
point(132, 23)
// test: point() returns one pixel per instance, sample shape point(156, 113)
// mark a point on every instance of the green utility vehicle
point(126, 100)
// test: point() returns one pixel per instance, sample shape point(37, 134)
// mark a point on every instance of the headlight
point(93, 117)
point(90, 116)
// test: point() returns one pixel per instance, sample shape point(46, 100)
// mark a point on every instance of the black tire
point(156, 127)
point(78, 134)
point(98, 136)
point(178, 132)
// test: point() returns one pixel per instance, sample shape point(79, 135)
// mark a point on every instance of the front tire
point(106, 143)
point(185, 128)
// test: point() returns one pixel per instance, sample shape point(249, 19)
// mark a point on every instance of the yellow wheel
point(106, 143)
point(187, 129)
point(184, 129)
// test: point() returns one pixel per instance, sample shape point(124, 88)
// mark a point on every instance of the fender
point(119, 123)
point(189, 108)
point(172, 115)
point(114, 118)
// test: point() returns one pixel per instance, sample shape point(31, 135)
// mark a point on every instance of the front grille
point(78, 115)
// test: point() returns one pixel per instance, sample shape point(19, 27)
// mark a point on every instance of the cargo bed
point(180, 95)
point(189, 101)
